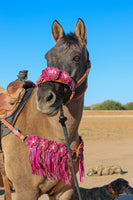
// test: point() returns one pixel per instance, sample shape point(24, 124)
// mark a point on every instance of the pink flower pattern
point(53, 146)
point(65, 77)
point(33, 141)
point(43, 144)
point(50, 74)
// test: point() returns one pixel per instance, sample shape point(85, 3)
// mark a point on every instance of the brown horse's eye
point(76, 58)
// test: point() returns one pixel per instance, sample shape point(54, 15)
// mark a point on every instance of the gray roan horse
point(68, 59)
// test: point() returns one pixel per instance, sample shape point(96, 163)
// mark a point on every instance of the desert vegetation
point(110, 105)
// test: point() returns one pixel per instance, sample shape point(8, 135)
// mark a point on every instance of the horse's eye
point(76, 58)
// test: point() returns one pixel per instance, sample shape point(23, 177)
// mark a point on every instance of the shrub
point(129, 106)
point(109, 105)
point(86, 108)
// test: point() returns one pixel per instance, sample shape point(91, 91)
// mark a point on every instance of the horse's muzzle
point(48, 104)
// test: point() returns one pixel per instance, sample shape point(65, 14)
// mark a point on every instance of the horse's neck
point(49, 127)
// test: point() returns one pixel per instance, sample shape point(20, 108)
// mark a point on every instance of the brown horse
point(40, 116)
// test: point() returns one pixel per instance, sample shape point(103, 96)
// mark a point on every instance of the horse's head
point(68, 62)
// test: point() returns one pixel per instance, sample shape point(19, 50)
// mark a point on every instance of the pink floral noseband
point(54, 74)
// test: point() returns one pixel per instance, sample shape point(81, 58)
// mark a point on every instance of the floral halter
point(54, 74)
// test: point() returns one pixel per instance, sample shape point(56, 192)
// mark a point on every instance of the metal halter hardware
point(56, 75)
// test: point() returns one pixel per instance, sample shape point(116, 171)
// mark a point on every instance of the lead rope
point(62, 120)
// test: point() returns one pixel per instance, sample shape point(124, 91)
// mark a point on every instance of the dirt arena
point(108, 140)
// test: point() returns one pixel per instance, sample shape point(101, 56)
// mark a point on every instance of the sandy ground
point(108, 140)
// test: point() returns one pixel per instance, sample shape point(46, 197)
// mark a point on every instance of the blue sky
point(25, 37)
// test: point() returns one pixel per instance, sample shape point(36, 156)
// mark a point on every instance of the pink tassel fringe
point(55, 159)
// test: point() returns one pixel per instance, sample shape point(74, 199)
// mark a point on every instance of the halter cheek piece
point(56, 75)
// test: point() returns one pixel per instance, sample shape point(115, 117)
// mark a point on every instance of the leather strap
point(78, 97)
point(82, 79)
point(79, 82)
point(14, 130)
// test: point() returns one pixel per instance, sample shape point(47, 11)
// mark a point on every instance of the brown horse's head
point(69, 55)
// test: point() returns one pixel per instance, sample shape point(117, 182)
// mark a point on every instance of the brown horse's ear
point(57, 31)
point(80, 32)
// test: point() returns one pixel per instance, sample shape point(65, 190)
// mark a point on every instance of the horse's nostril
point(49, 98)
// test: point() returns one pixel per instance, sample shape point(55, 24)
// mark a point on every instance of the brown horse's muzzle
point(47, 99)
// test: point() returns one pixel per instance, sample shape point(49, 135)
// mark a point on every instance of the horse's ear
point(57, 31)
point(80, 32)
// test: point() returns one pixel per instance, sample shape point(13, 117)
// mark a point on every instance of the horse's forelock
point(71, 39)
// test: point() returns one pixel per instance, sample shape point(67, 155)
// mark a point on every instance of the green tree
point(129, 106)
point(109, 105)
point(86, 108)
